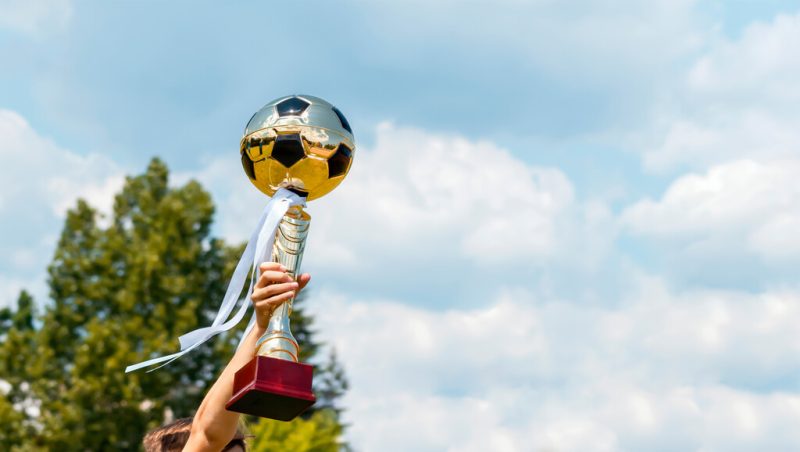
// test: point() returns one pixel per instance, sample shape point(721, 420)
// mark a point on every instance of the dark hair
point(173, 436)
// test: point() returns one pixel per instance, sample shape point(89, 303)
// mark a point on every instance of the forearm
point(214, 426)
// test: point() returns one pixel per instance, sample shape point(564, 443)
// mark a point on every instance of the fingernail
point(283, 268)
point(294, 284)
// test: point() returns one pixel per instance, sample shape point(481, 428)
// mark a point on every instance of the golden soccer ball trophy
point(302, 143)
point(305, 145)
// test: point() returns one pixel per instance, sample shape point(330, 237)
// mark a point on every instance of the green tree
point(16, 333)
point(120, 293)
point(319, 433)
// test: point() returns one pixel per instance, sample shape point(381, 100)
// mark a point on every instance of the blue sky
point(610, 188)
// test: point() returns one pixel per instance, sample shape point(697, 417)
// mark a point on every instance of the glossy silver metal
point(322, 132)
point(318, 115)
point(302, 143)
point(290, 242)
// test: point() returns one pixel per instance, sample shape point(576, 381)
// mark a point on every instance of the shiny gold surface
point(290, 241)
point(321, 133)
point(318, 156)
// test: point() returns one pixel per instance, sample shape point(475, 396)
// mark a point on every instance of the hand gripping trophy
point(294, 149)
point(305, 145)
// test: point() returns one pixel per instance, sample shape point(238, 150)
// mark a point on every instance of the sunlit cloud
point(737, 100)
point(39, 181)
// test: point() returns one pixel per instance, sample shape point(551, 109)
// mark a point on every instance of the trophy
point(305, 145)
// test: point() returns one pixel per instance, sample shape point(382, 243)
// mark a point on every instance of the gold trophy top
point(300, 142)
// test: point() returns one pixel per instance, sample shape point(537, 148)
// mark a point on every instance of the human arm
point(214, 426)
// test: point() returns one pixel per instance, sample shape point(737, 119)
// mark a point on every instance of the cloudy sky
point(570, 226)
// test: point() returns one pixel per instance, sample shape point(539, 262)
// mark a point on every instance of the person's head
point(173, 436)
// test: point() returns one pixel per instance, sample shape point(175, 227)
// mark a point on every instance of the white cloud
point(425, 213)
point(37, 173)
point(745, 204)
point(39, 181)
point(778, 237)
point(738, 100)
point(413, 191)
point(35, 17)
point(661, 371)
point(424, 189)
point(735, 72)
point(604, 415)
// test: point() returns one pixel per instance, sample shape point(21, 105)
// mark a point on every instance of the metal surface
point(290, 241)
point(309, 123)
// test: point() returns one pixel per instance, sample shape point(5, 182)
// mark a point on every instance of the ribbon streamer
point(258, 250)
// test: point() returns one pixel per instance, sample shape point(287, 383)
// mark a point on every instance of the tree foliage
point(318, 433)
point(122, 290)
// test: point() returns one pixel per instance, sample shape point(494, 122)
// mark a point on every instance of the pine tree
point(16, 333)
point(331, 384)
point(118, 295)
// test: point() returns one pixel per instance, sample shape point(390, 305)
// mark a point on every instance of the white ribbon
point(258, 250)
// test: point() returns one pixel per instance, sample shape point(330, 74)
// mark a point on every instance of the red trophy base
point(272, 388)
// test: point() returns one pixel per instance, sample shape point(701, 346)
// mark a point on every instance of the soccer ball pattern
point(301, 143)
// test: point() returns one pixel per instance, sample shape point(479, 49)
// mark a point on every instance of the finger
point(303, 280)
point(272, 302)
point(276, 266)
point(273, 289)
point(272, 277)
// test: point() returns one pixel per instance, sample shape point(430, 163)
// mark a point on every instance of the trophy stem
point(290, 241)
point(274, 384)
